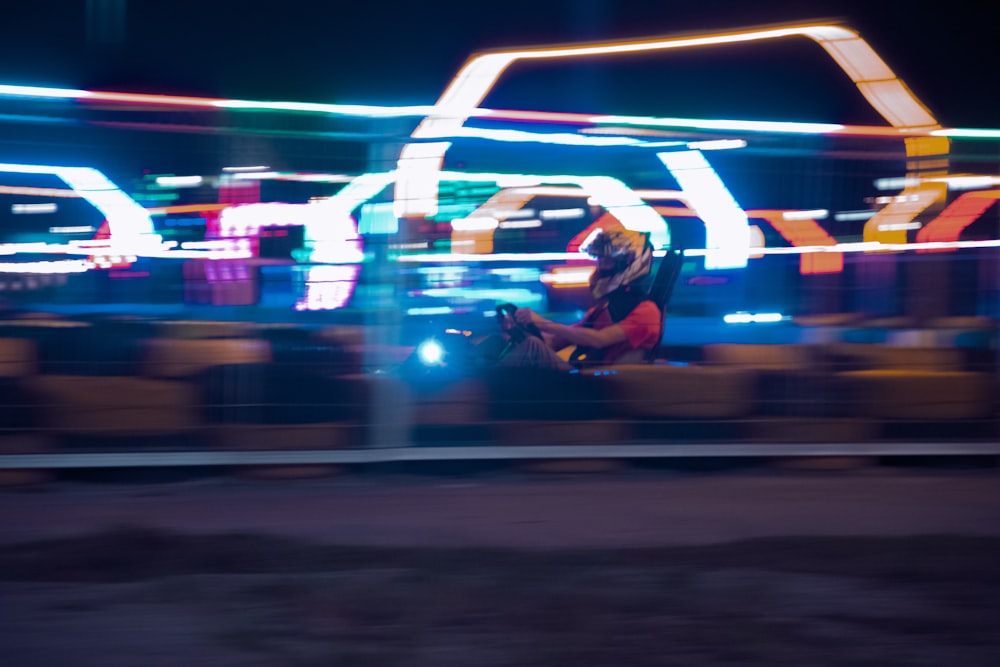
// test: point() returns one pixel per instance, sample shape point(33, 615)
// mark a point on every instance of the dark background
point(406, 52)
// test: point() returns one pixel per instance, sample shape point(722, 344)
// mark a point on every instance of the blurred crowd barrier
point(115, 383)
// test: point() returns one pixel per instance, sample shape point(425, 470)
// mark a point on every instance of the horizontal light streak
point(849, 216)
point(518, 295)
point(520, 224)
point(568, 277)
point(77, 229)
point(55, 266)
point(40, 91)
point(863, 246)
point(814, 214)
point(33, 209)
point(444, 258)
point(562, 214)
point(238, 170)
point(304, 177)
point(103, 248)
point(717, 145)
point(478, 224)
point(197, 254)
point(430, 310)
point(752, 318)
point(499, 114)
point(899, 226)
point(674, 195)
point(726, 125)
point(187, 208)
point(955, 182)
point(217, 103)
point(38, 192)
point(179, 181)
point(967, 133)
point(234, 245)
point(520, 136)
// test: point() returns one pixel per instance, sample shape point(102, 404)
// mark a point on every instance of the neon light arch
point(420, 163)
point(129, 223)
point(610, 193)
point(629, 205)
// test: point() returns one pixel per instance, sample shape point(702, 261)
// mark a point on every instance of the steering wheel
point(516, 331)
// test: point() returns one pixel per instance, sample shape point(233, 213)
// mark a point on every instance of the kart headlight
point(431, 352)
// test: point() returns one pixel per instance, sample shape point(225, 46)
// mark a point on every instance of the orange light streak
point(957, 216)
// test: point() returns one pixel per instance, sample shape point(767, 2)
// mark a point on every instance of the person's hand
point(526, 316)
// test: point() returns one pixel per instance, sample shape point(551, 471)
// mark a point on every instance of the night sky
point(406, 52)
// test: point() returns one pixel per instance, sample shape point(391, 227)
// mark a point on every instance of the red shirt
point(641, 327)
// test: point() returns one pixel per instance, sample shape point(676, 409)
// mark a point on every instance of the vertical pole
point(390, 404)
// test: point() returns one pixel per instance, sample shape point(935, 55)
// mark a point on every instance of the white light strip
point(896, 182)
point(410, 111)
point(38, 192)
point(956, 182)
point(562, 214)
point(237, 170)
point(717, 145)
point(814, 214)
point(179, 181)
point(970, 182)
point(431, 310)
point(29, 209)
point(520, 136)
point(78, 229)
point(727, 232)
point(520, 224)
point(967, 133)
point(848, 216)
point(864, 246)
point(662, 195)
point(478, 224)
point(56, 266)
point(766, 126)
point(366, 110)
point(899, 226)
point(574, 277)
point(234, 245)
point(198, 254)
point(38, 91)
point(255, 175)
point(752, 318)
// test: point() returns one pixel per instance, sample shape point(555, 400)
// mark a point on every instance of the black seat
point(662, 288)
point(667, 272)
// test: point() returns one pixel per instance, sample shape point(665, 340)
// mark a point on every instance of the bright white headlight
point(430, 352)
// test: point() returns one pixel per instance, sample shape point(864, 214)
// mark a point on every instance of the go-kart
point(460, 351)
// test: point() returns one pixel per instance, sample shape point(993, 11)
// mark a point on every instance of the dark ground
point(750, 568)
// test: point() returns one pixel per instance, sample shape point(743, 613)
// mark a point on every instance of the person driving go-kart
point(621, 326)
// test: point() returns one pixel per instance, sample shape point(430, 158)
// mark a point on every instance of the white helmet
point(631, 256)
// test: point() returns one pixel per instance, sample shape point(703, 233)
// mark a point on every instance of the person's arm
point(570, 335)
